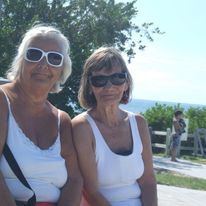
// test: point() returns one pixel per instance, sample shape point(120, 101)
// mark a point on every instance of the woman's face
point(108, 86)
point(43, 71)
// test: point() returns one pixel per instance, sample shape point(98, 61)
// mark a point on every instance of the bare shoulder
point(6, 90)
point(2, 97)
point(141, 121)
point(79, 121)
point(81, 129)
point(67, 148)
point(65, 118)
point(65, 125)
point(143, 128)
point(3, 104)
point(3, 119)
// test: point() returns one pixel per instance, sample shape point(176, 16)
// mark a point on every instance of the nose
point(43, 61)
point(108, 84)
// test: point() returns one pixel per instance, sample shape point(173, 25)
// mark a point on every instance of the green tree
point(160, 116)
point(197, 118)
point(87, 24)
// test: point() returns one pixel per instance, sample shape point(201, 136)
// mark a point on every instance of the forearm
point(5, 195)
point(71, 193)
point(149, 194)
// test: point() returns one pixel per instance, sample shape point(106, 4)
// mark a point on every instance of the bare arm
point(5, 195)
point(85, 145)
point(177, 126)
point(147, 182)
point(71, 192)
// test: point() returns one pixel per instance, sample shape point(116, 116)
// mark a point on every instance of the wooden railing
point(167, 135)
point(196, 149)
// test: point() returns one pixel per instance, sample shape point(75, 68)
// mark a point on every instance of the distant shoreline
point(175, 103)
point(141, 105)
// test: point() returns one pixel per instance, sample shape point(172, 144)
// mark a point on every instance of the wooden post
point(167, 144)
point(151, 133)
point(195, 143)
point(199, 134)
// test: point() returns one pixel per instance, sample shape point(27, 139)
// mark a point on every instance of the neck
point(111, 116)
point(31, 99)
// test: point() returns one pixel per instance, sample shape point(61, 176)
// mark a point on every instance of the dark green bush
point(160, 116)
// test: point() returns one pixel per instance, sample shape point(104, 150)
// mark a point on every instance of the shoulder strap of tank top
point(17, 171)
point(95, 129)
point(132, 120)
point(91, 122)
point(135, 130)
point(4, 126)
point(14, 165)
point(59, 119)
point(7, 99)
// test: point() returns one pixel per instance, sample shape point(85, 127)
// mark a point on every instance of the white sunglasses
point(53, 58)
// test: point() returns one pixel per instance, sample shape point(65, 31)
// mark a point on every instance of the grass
point(195, 159)
point(166, 177)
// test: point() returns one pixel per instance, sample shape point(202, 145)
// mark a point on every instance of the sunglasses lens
point(33, 55)
point(118, 78)
point(115, 79)
point(98, 81)
point(55, 59)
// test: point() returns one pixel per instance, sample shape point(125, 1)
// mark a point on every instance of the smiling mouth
point(109, 95)
point(40, 76)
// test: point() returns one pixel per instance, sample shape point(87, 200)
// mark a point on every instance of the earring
point(125, 98)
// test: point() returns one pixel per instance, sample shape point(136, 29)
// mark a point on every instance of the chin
point(110, 102)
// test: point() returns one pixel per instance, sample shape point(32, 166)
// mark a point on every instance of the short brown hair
point(178, 112)
point(102, 58)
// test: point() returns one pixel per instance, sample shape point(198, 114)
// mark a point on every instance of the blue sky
point(173, 67)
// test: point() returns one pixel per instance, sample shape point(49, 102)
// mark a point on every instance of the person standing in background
point(179, 128)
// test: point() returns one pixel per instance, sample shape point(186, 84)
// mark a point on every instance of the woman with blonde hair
point(37, 133)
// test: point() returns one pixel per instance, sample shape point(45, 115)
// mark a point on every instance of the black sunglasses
point(115, 79)
point(53, 58)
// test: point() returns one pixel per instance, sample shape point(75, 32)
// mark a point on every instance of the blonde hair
point(41, 30)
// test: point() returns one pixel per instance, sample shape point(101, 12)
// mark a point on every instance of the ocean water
point(141, 105)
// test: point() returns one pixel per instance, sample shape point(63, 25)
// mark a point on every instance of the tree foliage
point(160, 116)
point(197, 118)
point(87, 24)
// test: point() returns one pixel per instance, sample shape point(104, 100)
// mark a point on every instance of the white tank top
point(118, 174)
point(44, 170)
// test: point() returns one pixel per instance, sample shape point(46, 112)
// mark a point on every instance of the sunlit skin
point(108, 97)
point(33, 85)
point(40, 74)
point(107, 111)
